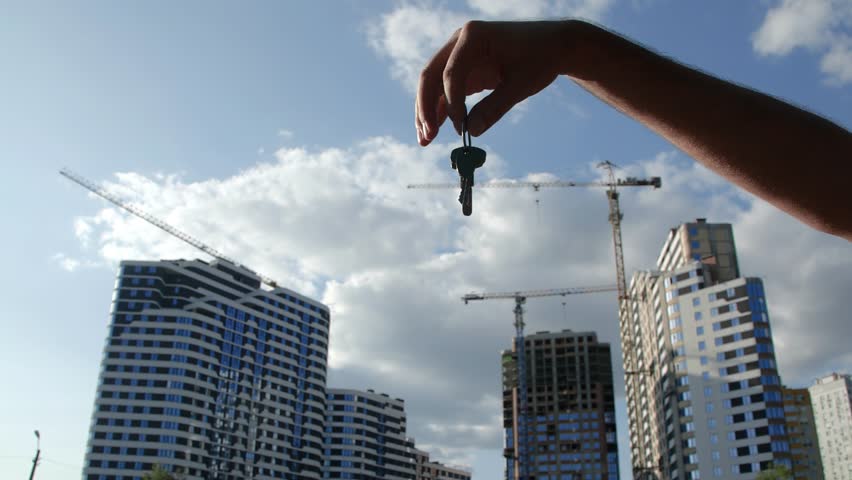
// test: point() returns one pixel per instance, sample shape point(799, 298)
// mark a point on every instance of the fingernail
point(419, 136)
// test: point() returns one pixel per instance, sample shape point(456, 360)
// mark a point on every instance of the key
point(466, 160)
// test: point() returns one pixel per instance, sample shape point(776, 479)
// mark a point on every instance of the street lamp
point(38, 453)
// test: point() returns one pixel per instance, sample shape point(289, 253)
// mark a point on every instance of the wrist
point(578, 43)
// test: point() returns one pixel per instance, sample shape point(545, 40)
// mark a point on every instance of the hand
point(514, 59)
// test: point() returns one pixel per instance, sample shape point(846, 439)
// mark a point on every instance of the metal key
point(466, 159)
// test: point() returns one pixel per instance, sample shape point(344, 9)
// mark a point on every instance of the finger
point(441, 113)
point(492, 108)
point(418, 126)
point(430, 90)
point(458, 68)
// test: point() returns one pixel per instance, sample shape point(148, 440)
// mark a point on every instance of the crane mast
point(625, 315)
point(519, 456)
point(115, 200)
point(615, 217)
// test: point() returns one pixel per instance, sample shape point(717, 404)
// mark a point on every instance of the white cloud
point(837, 62)
point(67, 263)
point(70, 264)
point(392, 263)
point(821, 26)
point(83, 231)
point(286, 134)
point(410, 35)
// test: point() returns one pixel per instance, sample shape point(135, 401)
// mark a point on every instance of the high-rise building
point(701, 382)
point(801, 429)
point(439, 471)
point(570, 419)
point(209, 374)
point(830, 397)
point(432, 470)
point(365, 437)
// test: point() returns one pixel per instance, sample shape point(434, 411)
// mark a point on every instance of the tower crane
point(615, 217)
point(115, 200)
point(519, 455)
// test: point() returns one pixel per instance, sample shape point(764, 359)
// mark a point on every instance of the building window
point(696, 302)
point(701, 347)
point(697, 315)
point(703, 358)
point(699, 330)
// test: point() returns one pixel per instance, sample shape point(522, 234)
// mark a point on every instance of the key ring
point(466, 140)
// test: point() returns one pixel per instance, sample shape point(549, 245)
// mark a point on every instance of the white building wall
point(832, 408)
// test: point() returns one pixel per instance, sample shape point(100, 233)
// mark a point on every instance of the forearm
point(788, 156)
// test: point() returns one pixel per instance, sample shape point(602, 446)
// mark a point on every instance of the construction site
point(521, 418)
point(613, 247)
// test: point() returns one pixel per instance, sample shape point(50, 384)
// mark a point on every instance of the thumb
point(492, 108)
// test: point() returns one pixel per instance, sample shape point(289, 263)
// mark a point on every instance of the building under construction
point(570, 422)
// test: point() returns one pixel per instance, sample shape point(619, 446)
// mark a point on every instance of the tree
point(158, 473)
point(779, 472)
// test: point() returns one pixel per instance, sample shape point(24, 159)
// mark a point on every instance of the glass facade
point(209, 375)
point(365, 437)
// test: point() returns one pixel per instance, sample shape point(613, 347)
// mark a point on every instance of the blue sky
point(239, 122)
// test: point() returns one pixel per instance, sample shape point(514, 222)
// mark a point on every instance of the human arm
point(792, 158)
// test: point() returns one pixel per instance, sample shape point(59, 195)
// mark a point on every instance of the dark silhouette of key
point(466, 159)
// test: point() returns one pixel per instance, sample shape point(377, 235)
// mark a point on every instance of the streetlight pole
point(38, 454)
